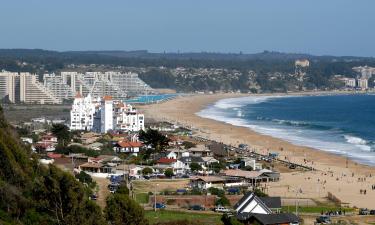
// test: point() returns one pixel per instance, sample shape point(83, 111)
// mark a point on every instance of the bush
point(223, 201)
point(147, 171)
point(168, 173)
point(216, 191)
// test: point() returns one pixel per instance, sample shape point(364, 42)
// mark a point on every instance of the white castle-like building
point(104, 114)
point(55, 88)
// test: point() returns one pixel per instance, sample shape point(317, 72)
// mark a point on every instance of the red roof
point(166, 161)
point(54, 155)
point(107, 98)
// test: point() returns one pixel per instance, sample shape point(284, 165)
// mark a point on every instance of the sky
point(319, 27)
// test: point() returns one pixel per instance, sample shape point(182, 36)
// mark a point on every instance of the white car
point(221, 209)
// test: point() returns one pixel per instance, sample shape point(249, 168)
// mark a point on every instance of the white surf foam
point(331, 141)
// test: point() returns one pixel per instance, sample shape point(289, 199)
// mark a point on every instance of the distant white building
point(363, 83)
point(82, 113)
point(349, 82)
point(127, 118)
point(104, 114)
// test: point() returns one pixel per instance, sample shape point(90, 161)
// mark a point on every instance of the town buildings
point(55, 88)
point(104, 114)
point(363, 83)
point(25, 88)
point(82, 113)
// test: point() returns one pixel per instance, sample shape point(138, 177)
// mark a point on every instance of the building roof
point(208, 179)
point(166, 161)
point(272, 202)
point(107, 98)
point(269, 219)
point(91, 165)
point(243, 173)
point(240, 206)
point(129, 144)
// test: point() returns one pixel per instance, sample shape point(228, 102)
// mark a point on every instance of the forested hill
point(35, 194)
point(205, 71)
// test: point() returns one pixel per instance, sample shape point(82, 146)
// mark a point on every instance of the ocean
point(340, 124)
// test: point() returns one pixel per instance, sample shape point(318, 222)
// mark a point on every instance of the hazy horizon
point(336, 27)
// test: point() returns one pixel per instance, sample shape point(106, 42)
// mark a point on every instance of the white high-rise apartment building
point(104, 114)
point(363, 83)
point(82, 113)
point(25, 88)
point(349, 82)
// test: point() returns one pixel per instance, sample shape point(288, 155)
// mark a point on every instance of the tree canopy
point(155, 139)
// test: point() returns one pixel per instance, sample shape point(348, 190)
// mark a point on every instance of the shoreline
point(182, 110)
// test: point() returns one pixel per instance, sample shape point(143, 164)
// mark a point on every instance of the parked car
point(372, 212)
point(197, 208)
point(364, 211)
point(221, 209)
point(159, 205)
point(323, 219)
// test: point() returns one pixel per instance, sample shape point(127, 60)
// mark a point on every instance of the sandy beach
point(336, 174)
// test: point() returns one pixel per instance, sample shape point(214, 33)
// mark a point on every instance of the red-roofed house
point(175, 164)
point(128, 147)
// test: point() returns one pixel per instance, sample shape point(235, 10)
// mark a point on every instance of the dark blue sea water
point(341, 124)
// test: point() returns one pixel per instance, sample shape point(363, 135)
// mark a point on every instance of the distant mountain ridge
point(144, 54)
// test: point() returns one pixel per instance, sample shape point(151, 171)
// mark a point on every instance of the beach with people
point(342, 179)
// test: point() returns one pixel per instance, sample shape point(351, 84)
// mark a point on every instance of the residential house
point(191, 159)
point(95, 146)
point(206, 182)
point(208, 160)
point(128, 147)
point(252, 209)
point(176, 165)
point(251, 162)
point(96, 167)
point(200, 151)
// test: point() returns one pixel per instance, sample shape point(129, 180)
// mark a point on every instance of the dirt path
point(103, 191)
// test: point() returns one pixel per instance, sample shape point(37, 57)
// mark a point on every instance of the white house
point(128, 147)
point(176, 165)
point(251, 203)
point(206, 182)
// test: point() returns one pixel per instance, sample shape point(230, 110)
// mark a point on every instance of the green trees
point(157, 140)
point(230, 220)
point(195, 167)
point(188, 144)
point(62, 133)
point(168, 173)
point(147, 171)
point(121, 210)
point(31, 193)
